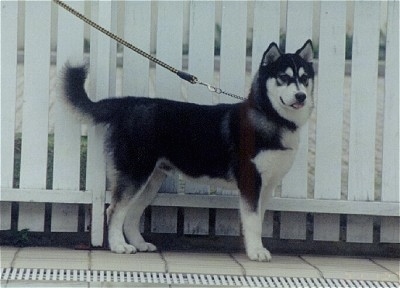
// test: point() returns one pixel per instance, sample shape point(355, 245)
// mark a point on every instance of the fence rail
point(348, 161)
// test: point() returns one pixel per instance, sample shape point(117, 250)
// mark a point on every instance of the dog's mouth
point(296, 105)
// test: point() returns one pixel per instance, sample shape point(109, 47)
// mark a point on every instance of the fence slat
point(102, 85)
point(9, 26)
point(363, 115)
point(294, 184)
point(328, 165)
point(390, 176)
point(201, 63)
point(136, 69)
point(233, 49)
point(268, 224)
point(164, 219)
point(137, 24)
point(169, 49)
point(266, 29)
point(232, 78)
point(67, 132)
point(196, 221)
point(5, 214)
point(35, 110)
point(201, 49)
point(227, 222)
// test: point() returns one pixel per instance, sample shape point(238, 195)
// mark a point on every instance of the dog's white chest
point(274, 164)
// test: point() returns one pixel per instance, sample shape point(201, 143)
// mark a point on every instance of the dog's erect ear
point(306, 52)
point(271, 54)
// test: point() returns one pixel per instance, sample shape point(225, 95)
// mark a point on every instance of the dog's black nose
point(300, 97)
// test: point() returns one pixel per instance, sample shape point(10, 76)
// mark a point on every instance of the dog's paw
point(259, 254)
point(123, 248)
point(145, 246)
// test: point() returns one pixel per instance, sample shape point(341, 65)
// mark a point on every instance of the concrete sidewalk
point(27, 267)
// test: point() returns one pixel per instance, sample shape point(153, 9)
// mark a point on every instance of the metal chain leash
point(183, 75)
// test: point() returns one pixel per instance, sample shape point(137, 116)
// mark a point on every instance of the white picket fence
point(357, 177)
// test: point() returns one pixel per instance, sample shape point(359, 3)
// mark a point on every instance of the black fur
point(250, 145)
point(216, 141)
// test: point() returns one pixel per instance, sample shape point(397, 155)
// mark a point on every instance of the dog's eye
point(284, 78)
point(304, 79)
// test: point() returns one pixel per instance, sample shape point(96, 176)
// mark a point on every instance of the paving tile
point(7, 255)
point(350, 268)
point(391, 264)
point(139, 262)
point(54, 258)
point(202, 263)
point(282, 266)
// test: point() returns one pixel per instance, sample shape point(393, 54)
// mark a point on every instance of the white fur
point(301, 71)
point(286, 93)
point(132, 220)
point(271, 176)
point(116, 238)
point(252, 228)
point(266, 161)
point(289, 71)
point(117, 214)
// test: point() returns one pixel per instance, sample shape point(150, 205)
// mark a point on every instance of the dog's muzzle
point(300, 99)
point(298, 103)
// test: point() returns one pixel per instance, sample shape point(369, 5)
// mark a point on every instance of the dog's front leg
point(252, 229)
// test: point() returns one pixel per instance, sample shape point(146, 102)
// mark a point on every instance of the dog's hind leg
point(143, 199)
point(125, 192)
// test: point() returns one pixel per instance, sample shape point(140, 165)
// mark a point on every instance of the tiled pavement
point(304, 266)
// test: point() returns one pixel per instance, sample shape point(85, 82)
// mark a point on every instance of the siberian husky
point(248, 146)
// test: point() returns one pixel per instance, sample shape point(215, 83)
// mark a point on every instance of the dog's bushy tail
point(72, 84)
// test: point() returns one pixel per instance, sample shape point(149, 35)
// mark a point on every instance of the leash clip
point(210, 88)
point(214, 89)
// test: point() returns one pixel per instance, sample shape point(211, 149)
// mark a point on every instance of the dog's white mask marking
point(282, 95)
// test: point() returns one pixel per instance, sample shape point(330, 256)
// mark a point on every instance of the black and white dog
point(248, 146)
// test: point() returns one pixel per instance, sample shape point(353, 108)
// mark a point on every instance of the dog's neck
point(253, 105)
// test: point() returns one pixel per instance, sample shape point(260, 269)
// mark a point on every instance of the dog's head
point(286, 80)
